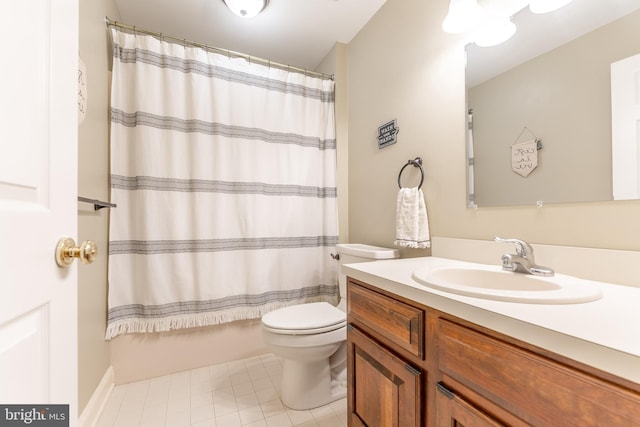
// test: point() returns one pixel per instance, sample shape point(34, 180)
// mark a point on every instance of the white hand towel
point(412, 226)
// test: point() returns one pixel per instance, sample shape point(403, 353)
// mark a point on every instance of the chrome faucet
point(522, 260)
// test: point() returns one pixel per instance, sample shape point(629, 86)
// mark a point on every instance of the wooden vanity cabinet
point(533, 388)
point(385, 348)
point(410, 365)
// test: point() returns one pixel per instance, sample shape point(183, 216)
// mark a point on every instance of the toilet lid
point(314, 315)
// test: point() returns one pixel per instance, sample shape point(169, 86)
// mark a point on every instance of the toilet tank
point(351, 253)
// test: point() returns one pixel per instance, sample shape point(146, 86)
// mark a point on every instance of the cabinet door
point(384, 390)
point(453, 411)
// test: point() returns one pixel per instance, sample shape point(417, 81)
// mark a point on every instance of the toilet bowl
point(311, 340)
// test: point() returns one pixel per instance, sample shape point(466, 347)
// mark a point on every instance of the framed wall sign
point(388, 133)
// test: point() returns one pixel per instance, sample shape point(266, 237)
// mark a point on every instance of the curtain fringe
point(137, 325)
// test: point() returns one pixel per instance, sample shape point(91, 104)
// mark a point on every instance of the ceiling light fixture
point(246, 8)
point(544, 6)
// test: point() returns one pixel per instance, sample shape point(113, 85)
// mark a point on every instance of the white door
point(38, 191)
point(625, 126)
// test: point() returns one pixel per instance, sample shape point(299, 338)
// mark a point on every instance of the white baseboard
point(91, 412)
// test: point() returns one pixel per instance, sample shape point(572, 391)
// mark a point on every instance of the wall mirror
point(552, 82)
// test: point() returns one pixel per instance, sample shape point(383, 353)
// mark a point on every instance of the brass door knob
point(66, 251)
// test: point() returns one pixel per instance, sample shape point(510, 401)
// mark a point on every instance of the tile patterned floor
point(242, 393)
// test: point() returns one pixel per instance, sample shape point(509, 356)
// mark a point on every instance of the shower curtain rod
point(222, 51)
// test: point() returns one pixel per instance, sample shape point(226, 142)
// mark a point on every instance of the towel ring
point(417, 162)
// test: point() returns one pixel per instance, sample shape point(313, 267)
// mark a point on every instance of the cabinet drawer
point(394, 321)
point(539, 391)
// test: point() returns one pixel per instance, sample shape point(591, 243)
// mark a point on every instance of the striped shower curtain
point(223, 172)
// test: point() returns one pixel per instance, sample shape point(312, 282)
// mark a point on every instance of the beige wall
point(93, 163)
point(564, 98)
point(402, 65)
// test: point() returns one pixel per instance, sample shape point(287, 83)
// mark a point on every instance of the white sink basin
point(491, 282)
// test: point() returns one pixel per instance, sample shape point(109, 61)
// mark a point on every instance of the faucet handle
point(522, 247)
point(507, 264)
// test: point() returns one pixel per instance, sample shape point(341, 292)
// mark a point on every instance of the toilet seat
point(304, 319)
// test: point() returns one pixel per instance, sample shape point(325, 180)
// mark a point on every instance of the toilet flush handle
point(335, 256)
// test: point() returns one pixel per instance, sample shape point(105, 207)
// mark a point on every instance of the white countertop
point(604, 334)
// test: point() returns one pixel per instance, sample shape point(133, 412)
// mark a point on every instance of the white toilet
point(311, 340)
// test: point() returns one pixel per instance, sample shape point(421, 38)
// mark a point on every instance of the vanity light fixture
point(544, 6)
point(491, 27)
point(464, 15)
point(246, 8)
point(495, 30)
point(491, 22)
